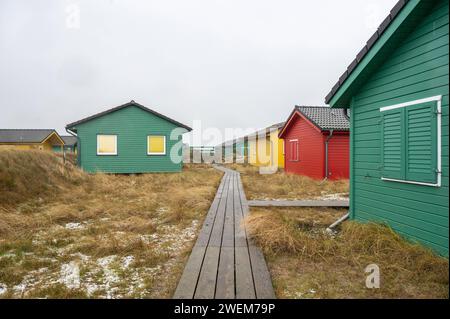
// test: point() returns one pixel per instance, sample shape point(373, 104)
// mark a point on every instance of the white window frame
point(438, 99)
point(156, 153)
point(98, 145)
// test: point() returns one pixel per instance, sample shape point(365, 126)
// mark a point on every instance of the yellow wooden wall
point(19, 146)
point(266, 159)
point(46, 146)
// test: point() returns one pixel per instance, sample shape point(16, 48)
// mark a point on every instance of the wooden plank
point(240, 236)
point(217, 228)
point(208, 275)
point(228, 227)
point(225, 274)
point(244, 278)
point(298, 203)
point(205, 231)
point(261, 275)
point(188, 281)
point(207, 281)
point(244, 202)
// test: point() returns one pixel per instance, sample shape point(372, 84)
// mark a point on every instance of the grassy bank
point(64, 233)
point(306, 262)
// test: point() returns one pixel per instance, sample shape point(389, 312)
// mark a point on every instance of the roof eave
point(71, 126)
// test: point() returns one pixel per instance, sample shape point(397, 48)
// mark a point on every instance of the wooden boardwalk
point(299, 203)
point(224, 263)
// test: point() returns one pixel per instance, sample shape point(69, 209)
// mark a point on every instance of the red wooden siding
point(310, 146)
point(338, 156)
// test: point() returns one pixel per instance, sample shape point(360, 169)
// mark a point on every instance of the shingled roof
point(325, 117)
point(117, 108)
point(370, 43)
point(24, 135)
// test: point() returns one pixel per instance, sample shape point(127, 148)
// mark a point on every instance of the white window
point(156, 145)
point(106, 144)
point(411, 142)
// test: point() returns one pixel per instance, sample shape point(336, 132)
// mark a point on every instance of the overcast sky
point(227, 63)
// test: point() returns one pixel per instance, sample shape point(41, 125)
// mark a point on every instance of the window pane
point(156, 144)
point(107, 144)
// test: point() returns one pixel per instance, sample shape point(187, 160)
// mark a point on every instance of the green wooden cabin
point(129, 138)
point(397, 91)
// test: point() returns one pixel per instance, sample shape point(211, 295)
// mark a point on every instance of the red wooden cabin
point(316, 142)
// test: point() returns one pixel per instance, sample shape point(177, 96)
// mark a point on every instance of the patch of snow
point(3, 288)
point(126, 261)
point(106, 261)
point(70, 275)
point(73, 226)
point(109, 275)
point(170, 239)
point(20, 288)
point(29, 280)
point(337, 196)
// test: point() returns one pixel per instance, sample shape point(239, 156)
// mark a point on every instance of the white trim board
point(438, 99)
point(411, 182)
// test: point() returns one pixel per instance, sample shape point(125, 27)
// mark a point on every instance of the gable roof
point(117, 108)
point(323, 117)
point(69, 140)
point(394, 28)
point(25, 135)
point(326, 118)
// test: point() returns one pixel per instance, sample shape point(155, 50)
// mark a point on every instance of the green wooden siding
point(401, 144)
point(132, 125)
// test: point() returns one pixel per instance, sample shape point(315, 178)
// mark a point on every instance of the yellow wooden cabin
point(265, 148)
point(30, 139)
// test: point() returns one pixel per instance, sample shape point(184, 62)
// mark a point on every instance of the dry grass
point(306, 262)
point(286, 186)
point(126, 236)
